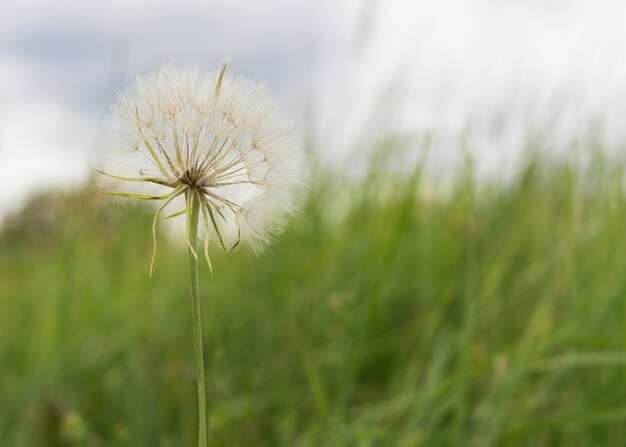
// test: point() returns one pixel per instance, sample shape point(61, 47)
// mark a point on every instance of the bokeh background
point(455, 275)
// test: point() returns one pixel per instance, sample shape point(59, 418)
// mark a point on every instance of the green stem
point(192, 216)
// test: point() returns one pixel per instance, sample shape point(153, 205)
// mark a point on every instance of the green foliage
point(385, 316)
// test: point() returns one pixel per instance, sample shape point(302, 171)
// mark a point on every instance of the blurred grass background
point(390, 313)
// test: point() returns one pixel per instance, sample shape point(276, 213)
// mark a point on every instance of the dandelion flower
point(219, 142)
point(214, 138)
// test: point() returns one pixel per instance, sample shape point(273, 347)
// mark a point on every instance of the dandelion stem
point(192, 216)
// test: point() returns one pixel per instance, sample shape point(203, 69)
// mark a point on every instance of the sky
point(342, 68)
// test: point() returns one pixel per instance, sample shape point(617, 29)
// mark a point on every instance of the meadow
point(390, 313)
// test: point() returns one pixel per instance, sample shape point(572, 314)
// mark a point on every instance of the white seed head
point(214, 136)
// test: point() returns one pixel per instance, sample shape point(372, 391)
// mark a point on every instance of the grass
point(387, 316)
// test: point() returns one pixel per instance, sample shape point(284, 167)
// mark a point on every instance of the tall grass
point(490, 315)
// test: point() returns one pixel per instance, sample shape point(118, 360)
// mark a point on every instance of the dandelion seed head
point(214, 135)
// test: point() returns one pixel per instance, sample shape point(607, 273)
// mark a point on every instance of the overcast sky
point(447, 62)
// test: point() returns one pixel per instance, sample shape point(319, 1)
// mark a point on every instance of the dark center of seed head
point(189, 177)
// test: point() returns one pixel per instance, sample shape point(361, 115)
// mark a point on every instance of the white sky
point(446, 63)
